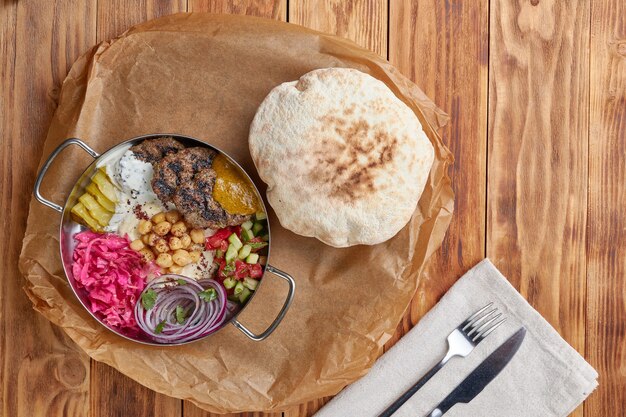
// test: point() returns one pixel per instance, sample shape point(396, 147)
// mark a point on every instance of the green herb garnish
point(148, 299)
point(229, 268)
point(180, 315)
point(159, 328)
point(181, 281)
point(208, 295)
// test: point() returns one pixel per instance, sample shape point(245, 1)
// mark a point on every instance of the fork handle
point(411, 391)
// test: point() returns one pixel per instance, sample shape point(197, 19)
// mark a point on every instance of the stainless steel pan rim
point(67, 223)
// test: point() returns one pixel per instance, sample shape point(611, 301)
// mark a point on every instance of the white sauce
point(134, 177)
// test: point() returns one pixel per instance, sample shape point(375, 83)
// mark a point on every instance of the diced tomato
point(241, 269)
point(256, 271)
point(218, 239)
point(213, 242)
point(223, 233)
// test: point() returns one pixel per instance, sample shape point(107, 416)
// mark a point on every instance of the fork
point(461, 342)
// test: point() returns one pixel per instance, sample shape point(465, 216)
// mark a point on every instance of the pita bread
point(344, 159)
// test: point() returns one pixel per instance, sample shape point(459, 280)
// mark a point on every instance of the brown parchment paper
point(204, 76)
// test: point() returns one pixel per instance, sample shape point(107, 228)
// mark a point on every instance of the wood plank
point(363, 21)
point(606, 243)
point(191, 410)
point(112, 393)
point(537, 152)
point(271, 9)
point(454, 75)
point(115, 16)
point(43, 371)
point(308, 409)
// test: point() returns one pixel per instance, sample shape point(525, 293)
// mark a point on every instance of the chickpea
point(186, 240)
point(137, 245)
point(161, 246)
point(195, 256)
point(175, 269)
point(181, 257)
point(179, 229)
point(175, 243)
point(172, 216)
point(145, 239)
point(147, 254)
point(162, 228)
point(158, 218)
point(164, 260)
point(144, 227)
point(197, 235)
point(153, 238)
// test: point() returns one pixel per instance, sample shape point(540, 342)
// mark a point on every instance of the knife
point(480, 377)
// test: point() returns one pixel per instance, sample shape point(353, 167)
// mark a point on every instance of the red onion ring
point(201, 317)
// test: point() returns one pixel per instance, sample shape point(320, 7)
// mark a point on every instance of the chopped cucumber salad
point(240, 255)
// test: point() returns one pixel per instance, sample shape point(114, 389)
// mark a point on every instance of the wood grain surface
point(606, 240)
point(43, 372)
point(271, 9)
point(537, 156)
point(536, 91)
point(345, 18)
point(115, 16)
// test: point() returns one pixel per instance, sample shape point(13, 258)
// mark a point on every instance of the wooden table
point(537, 94)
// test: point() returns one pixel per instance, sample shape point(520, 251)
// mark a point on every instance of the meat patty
point(153, 150)
point(194, 199)
point(179, 168)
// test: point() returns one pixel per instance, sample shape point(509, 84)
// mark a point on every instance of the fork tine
point(475, 315)
point(484, 326)
point(480, 322)
point(483, 334)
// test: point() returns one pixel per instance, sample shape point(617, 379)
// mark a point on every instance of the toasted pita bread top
point(344, 159)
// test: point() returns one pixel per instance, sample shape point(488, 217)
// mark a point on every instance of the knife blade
point(484, 373)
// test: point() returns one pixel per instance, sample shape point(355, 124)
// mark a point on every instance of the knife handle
point(411, 391)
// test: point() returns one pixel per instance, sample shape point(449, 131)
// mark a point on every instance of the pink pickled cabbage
point(112, 274)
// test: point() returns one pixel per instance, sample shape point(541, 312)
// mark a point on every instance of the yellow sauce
point(232, 189)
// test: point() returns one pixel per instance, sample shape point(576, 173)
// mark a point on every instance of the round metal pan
point(69, 227)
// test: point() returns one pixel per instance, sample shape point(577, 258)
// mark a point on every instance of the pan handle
point(281, 314)
point(47, 164)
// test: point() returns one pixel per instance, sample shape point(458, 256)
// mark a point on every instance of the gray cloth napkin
point(547, 377)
